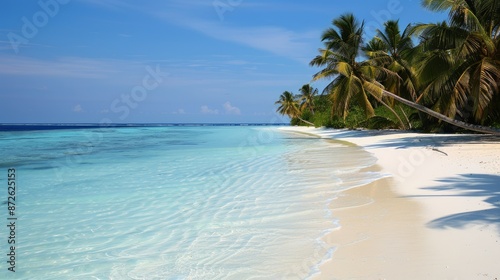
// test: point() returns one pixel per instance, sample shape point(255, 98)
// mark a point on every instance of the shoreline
point(437, 217)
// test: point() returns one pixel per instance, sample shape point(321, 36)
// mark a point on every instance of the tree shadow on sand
point(472, 185)
point(434, 140)
point(407, 140)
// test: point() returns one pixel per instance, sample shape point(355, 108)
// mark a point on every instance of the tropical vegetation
point(433, 76)
point(288, 105)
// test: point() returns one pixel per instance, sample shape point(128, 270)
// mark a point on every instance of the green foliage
point(322, 118)
point(453, 71)
point(356, 116)
point(296, 121)
point(460, 66)
point(336, 122)
point(307, 115)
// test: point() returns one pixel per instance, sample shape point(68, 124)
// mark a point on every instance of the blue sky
point(167, 61)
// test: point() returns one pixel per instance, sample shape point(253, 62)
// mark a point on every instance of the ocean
point(171, 202)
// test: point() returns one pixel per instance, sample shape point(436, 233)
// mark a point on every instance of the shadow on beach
point(435, 140)
point(411, 140)
point(472, 185)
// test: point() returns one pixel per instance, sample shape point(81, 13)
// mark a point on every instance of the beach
point(437, 215)
point(194, 202)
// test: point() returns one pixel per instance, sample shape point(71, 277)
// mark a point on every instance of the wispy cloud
point(201, 16)
point(209, 74)
point(62, 67)
point(9, 47)
point(206, 110)
point(276, 40)
point(109, 4)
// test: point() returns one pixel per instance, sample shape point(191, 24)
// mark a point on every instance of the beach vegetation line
point(429, 76)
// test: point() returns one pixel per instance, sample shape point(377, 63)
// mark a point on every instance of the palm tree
point(342, 48)
point(395, 51)
point(354, 80)
point(307, 94)
point(461, 66)
point(289, 106)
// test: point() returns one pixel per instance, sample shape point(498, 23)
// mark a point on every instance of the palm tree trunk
point(472, 127)
point(309, 123)
point(406, 117)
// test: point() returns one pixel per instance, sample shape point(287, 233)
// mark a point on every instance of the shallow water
point(174, 202)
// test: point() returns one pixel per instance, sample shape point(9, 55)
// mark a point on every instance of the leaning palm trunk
point(472, 127)
point(309, 123)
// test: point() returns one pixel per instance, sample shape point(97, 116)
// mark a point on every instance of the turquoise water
point(174, 202)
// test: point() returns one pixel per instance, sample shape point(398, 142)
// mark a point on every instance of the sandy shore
point(437, 217)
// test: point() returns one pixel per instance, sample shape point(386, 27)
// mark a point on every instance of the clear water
point(174, 202)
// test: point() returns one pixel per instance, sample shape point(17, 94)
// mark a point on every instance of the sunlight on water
point(175, 202)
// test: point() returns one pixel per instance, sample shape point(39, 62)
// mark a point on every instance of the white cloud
point(231, 110)
point(206, 110)
point(78, 109)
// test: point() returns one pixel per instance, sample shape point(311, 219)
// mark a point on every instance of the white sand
point(437, 217)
